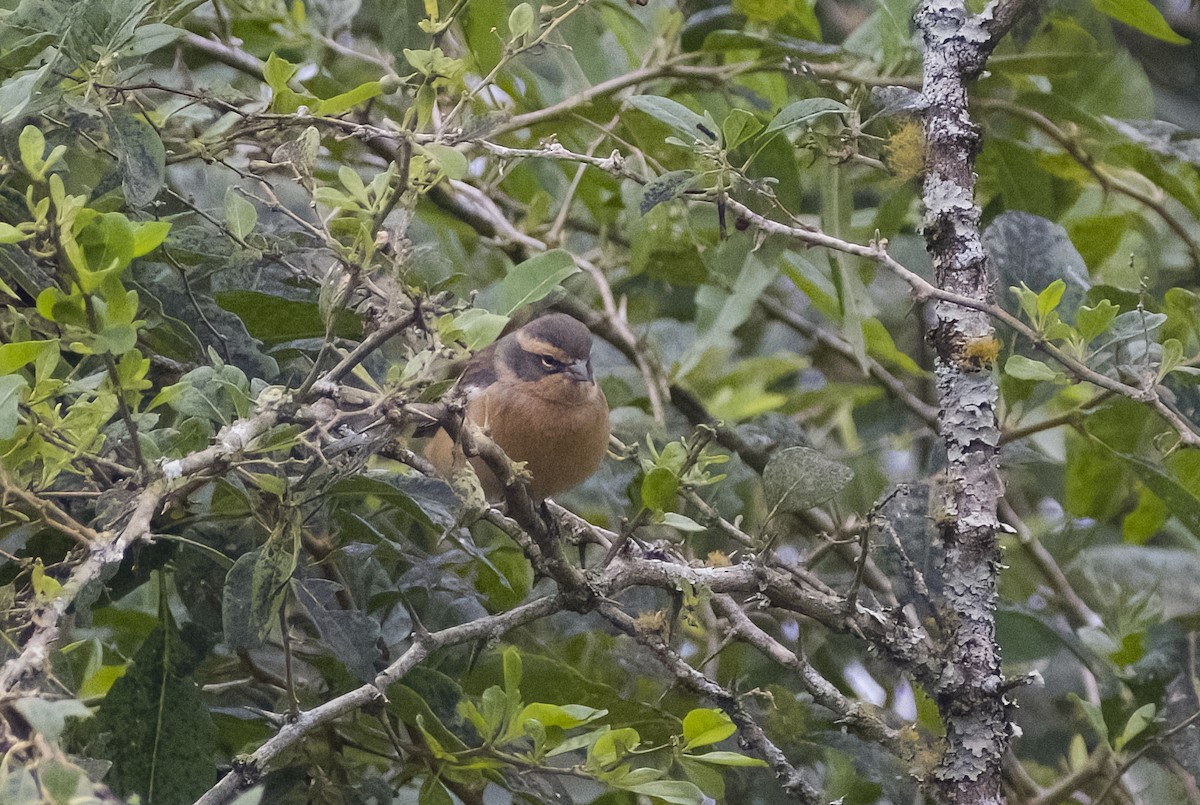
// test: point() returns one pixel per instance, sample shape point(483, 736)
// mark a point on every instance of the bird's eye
point(551, 364)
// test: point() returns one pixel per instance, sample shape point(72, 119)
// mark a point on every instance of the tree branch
point(1104, 178)
point(104, 552)
point(971, 697)
point(790, 779)
point(853, 714)
point(489, 627)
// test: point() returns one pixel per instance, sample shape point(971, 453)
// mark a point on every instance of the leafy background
point(242, 242)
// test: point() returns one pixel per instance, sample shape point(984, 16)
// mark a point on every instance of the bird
point(534, 393)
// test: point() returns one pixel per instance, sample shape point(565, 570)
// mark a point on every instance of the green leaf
point(237, 619)
point(1094, 321)
point(808, 280)
point(682, 523)
point(585, 740)
point(14, 356)
point(214, 393)
point(1024, 636)
point(1181, 501)
point(1142, 15)
point(148, 236)
point(1155, 170)
point(676, 792)
point(1023, 368)
point(799, 478)
point(566, 716)
point(738, 127)
point(240, 214)
point(351, 635)
point(479, 328)
point(160, 738)
point(63, 782)
point(709, 778)
point(452, 162)
point(256, 586)
point(612, 746)
point(512, 674)
point(115, 340)
point(1012, 170)
point(667, 187)
point(691, 125)
point(1049, 298)
point(1147, 517)
point(659, 488)
point(1142, 717)
point(410, 704)
point(728, 759)
point(274, 566)
point(705, 726)
point(49, 717)
point(804, 111)
point(1172, 356)
point(495, 708)
point(468, 711)
point(1093, 714)
point(10, 234)
point(24, 49)
point(45, 587)
point(152, 37)
point(881, 347)
point(534, 279)
point(433, 792)
point(275, 319)
point(141, 158)
point(11, 387)
point(106, 245)
point(278, 72)
point(16, 93)
point(32, 145)
point(435, 64)
point(521, 20)
point(345, 101)
point(1027, 299)
point(744, 273)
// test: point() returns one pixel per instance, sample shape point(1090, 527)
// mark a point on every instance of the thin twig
point(857, 717)
point(50, 513)
point(246, 772)
point(923, 290)
point(35, 652)
point(790, 779)
point(1079, 613)
point(895, 386)
point(1138, 755)
point(859, 568)
point(1103, 176)
point(1074, 780)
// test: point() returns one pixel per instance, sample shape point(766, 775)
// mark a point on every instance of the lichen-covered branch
point(103, 554)
point(971, 693)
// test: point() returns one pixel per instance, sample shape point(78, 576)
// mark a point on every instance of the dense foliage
point(245, 243)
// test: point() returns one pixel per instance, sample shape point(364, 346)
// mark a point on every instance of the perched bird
point(533, 392)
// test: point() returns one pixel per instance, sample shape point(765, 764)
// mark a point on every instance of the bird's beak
point(580, 370)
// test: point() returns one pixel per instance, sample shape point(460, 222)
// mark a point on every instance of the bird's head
point(553, 352)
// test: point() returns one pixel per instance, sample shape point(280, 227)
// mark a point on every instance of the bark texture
point(970, 693)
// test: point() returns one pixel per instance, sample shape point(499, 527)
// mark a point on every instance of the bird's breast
point(561, 437)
